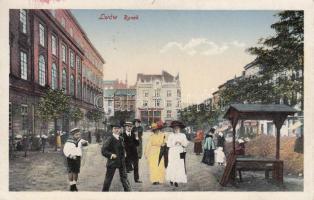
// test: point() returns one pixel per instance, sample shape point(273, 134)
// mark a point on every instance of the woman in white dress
point(177, 142)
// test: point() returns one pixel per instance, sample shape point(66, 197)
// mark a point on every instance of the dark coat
point(140, 135)
point(114, 146)
point(220, 141)
point(139, 130)
point(131, 144)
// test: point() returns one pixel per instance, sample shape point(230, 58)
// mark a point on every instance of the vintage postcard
point(181, 101)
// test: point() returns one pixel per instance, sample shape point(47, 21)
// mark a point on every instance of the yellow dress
point(152, 149)
point(58, 141)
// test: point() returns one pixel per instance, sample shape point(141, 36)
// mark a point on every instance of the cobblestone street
point(48, 173)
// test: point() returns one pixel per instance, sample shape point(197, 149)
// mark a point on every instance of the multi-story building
point(118, 97)
point(158, 97)
point(109, 102)
point(291, 127)
point(114, 84)
point(125, 100)
point(48, 48)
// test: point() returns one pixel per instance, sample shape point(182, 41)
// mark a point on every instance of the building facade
point(114, 84)
point(125, 100)
point(49, 49)
point(158, 97)
point(292, 125)
point(109, 102)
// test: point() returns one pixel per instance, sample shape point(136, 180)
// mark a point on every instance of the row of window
point(92, 59)
point(54, 47)
point(157, 93)
point(74, 62)
point(89, 94)
point(54, 43)
point(147, 114)
point(158, 103)
point(54, 74)
point(88, 73)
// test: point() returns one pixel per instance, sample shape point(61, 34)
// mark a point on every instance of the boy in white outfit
point(73, 152)
point(220, 156)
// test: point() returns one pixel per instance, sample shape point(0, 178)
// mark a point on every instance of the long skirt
point(58, 141)
point(176, 169)
point(156, 170)
point(209, 157)
point(198, 147)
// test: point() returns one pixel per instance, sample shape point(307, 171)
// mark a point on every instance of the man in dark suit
point(131, 142)
point(113, 149)
point(139, 129)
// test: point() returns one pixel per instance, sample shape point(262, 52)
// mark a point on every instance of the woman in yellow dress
point(152, 150)
point(58, 140)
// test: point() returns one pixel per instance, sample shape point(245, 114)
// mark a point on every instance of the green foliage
point(198, 116)
point(76, 114)
point(94, 115)
point(280, 58)
point(53, 104)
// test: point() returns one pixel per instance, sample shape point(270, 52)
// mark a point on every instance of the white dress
point(220, 155)
point(175, 170)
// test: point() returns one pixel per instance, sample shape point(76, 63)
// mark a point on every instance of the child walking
point(73, 152)
point(220, 156)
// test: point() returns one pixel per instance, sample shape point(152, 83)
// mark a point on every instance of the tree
point(280, 58)
point(95, 116)
point(52, 105)
point(76, 114)
point(197, 116)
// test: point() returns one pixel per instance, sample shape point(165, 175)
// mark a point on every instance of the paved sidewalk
point(47, 172)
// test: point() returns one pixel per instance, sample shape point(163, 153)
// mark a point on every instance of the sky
point(206, 48)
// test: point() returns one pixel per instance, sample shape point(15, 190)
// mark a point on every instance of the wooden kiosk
point(275, 112)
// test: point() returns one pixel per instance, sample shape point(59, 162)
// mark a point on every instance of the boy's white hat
point(74, 130)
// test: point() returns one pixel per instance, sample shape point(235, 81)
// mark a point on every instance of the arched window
point(72, 83)
point(64, 80)
point(23, 21)
point(23, 65)
point(79, 88)
point(42, 71)
point(54, 76)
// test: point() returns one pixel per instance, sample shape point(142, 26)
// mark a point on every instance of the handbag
point(182, 155)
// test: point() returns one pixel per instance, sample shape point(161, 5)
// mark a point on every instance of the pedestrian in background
point(220, 156)
point(198, 142)
point(73, 152)
point(209, 148)
point(131, 142)
point(139, 130)
point(221, 140)
point(240, 148)
point(58, 140)
point(152, 153)
point(113, 149)
point(43, 142)
point(177, 142)
point(89, 135)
